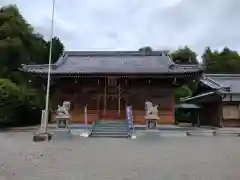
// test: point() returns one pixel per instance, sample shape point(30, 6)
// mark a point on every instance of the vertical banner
point(85, 118)
point(129, 116)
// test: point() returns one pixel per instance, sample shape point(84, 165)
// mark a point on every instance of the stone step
point(114, 128)
point(110, 126)
point(109, 136)
point(109, 130)
point(111, 120)
point(109, 133)
point(115, 124)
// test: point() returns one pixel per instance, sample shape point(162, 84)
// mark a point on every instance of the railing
point(130, 118)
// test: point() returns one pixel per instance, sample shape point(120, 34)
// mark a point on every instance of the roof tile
point(113, 62)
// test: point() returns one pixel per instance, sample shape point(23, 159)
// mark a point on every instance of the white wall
point(231, 112)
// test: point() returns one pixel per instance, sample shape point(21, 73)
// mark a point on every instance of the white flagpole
point(49, 70)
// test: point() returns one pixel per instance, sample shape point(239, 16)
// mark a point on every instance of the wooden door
point(111, 102)
point(112, 107)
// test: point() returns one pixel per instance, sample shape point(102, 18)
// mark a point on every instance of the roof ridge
point(223, 75)
point(197, 96)
point(62, 59)
point(221, 86)
point(213, 81)
point(116, 53)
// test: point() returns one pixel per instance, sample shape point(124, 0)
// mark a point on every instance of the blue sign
point(129, 116)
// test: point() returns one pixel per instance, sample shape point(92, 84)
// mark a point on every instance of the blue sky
point(131, 24)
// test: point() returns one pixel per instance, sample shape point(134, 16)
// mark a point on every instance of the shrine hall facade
point(108, 81)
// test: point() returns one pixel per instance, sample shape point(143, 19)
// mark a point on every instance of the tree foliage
point(182, 92)
point(184, 56)
point(18, 103)
point(225, 61)
point(19, 44)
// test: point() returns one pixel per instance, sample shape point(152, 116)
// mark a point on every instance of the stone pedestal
point(151, 122)
point(151, 115)
point(42, 137)
point(42, 133)
point(62, 121)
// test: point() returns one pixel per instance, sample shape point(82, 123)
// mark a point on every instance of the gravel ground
point(144, 158)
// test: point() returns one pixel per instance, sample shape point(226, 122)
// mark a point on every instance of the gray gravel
point(165, 158)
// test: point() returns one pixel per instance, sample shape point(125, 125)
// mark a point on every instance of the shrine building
point(108, 81)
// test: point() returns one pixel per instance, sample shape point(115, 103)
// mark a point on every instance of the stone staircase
point(110, 128)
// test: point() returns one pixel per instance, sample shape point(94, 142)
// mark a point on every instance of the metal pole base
point(42, 137)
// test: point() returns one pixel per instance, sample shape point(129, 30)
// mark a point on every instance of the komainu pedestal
point(151, 115)
point(63, 115)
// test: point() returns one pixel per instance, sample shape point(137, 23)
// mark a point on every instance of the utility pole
point(49, 70)
point(43, 134)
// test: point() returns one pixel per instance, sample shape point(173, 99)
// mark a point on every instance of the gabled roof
point(220, 84)
point(119, 62)
point(226, 83)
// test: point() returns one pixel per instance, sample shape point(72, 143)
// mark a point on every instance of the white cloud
point(130, 24)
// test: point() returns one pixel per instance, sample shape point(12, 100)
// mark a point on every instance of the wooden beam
point(119, 98)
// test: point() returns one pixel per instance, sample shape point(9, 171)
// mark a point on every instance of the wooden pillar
point(98, 99)
point(105, 95)
point(119, 99)
point(173, 104)
point(220, 111)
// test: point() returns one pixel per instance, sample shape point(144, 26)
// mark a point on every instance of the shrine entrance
point(112, 104)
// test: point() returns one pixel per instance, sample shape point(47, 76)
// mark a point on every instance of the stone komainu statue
point(64, 109)
point(151, 111)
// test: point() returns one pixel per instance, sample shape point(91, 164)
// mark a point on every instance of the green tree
point(57, 48)
point(147, 50)
point(18, 104)
point(184, 56)
point(182, 92)
point(19, 44)
point(20, 100)
point(225, 61)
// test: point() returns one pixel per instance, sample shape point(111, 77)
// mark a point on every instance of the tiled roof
point(89, 62)
point(228, 83)
point(220, 83)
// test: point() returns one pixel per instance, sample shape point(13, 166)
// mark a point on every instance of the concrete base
point(42, 137)
point(201, 133)
point(133, 137)
point(85, 134)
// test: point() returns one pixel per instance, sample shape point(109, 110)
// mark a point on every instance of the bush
point(19, 105)
point(182, 92)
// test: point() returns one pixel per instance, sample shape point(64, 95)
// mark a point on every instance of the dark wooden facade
point(107, 97)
